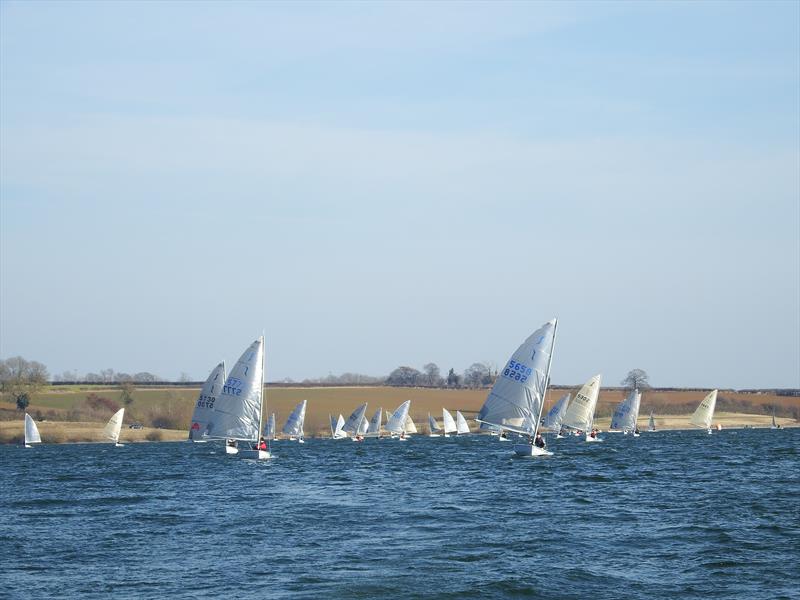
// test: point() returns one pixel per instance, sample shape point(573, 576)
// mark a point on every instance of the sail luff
point(546, 378)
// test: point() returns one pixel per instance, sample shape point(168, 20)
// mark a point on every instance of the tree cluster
point(20, 379)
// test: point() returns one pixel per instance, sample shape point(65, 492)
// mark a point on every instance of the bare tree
point(107, 375)
point(404, 376)
point(477, 374)
point(21, 378)
point(432, 374)
point(636, 378)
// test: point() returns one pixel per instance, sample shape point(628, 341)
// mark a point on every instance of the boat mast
point(546, 380)
point(263, 394)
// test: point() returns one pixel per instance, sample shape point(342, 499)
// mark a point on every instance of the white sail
point(461, 423)
point(774, 424)
point(410, 427)
point(114, 426)
point(552, 420)
point(338, 432)
point(515, 401)
point(294, 424)
point(31, 431)
point(354, 420)
point(363, 426)
point(269, 430)
point(626, 414)
point(448, 424)
point(580, 412)
point(433, 426)
point(204, 413)
point(651, 425)
point(396, 423)
point(238, 405)
point(705, 412)
point(375, 424)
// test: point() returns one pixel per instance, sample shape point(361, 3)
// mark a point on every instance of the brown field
point(171, 408)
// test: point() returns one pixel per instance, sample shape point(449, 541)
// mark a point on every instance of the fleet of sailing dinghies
point(626, 414)
point(31, 432)
point(397, 422)
point(114, 426)
point(705, 412)
point(580, 413)
point(202, 428)
point(449, 425)
point(294, 424)
point(461, 423)
point(337, 432)
point(552, 419)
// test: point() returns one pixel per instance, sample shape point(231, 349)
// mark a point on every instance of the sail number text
point(517, 371)
point(233, 387)
point(206, 401)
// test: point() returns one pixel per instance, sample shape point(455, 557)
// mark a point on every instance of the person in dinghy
point(262, 444)
point(539, 441)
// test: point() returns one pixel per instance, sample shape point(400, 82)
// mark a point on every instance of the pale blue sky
point(377, 184)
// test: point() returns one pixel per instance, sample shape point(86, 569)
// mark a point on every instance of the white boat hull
point(231, 450)
point(118, 445)
point(593, 439)
point(530, 450)
point(500, 438)
point(28, 446)
point(255, 454)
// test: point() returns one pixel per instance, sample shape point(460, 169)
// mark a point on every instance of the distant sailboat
point(704, 414)
point(448, 423)
point(114, 426)
point(374, 429)
point(353, 422)
point(31, 432)
point(294, 424)
point(552, 420)
point(269, 430)
point(410, 427)
point(516, 400)
point(651, 424)
point(202, 427)
point(239, 405)
point(397, 422)
point(433, 427)
point(461, 424)
point(337, 432)
point(580, 414)
point(627, 413)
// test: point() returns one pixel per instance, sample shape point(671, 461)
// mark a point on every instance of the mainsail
point(31, 431)
point(269, 430)
point(705, 412)
point(396, 423)
point(410, 427)
point(448, 423)
point(516, 400)
point(336, 427)
point(294, 424)
point(552, 420)
point(375, 424)
point(627, 412)
point(651, 425)
point(354, 420)
point(363, 426)
point(204, 413)
point(580, 412)
point(433, 426)
point(461, 423)
point(114, 426)
point(237, 409)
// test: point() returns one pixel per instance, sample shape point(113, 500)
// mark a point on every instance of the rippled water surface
point(667, 515)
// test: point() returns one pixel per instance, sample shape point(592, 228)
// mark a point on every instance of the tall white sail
point(338, 432)
point(204, 413)
point(448, 424)
point(580, 412)
point(31, 431)
point(651, 425)
point(552, 420)
point(461, 423)
point(237, 409)
point(363, 427)
point(516, 399)
point(396, 423)
point(626, 414)
point(294, 424)
point(705, 412)
point(433, 426)
point(354, 420)
point(375, 424)
point(269, 430)
point(114, 426)
point(410, 427)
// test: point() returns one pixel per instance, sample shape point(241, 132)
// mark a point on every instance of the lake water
point(667, 515)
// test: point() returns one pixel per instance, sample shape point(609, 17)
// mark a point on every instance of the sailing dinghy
point(462, 426)
point(627, 413)
point(580, 413)
point(516, 400)
point(397, 422)
point(449, 424)
point(294, 424)
point(112, 429)
point(552, 420)
point(774, 424)
point(353, 422)
point(651, 424)
point(202, 427)
point(337, 432)
point(410, 428)
point(31, 432)
point(374, 429)
point(705, 412)
point(433, 427)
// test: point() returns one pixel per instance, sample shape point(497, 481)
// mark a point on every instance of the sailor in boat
point(504, 435)
point(262, 444)
point(539, 441)
point(636, 431)
point(593, 435)
point(231, 443)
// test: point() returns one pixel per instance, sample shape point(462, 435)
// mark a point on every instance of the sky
point(382, 184)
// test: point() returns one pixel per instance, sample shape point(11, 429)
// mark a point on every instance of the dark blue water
point(667, 515)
